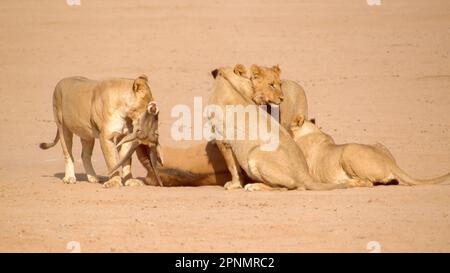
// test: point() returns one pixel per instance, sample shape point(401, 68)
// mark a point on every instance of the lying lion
point(205, 167)
point(283, 167)
point(108, 110)
point(356, 164)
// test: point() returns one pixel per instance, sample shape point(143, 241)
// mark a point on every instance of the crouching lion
point(108, 110)
point(356, 164)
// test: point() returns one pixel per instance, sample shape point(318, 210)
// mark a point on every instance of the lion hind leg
point(279, 176)
point(384, 150)
point(271, 175)
point(66, 144)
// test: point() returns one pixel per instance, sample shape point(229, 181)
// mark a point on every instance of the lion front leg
point(126, 167)
point(109, 152)
point(233, 166)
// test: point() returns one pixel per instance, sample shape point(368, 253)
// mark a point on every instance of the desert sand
point(371, 73)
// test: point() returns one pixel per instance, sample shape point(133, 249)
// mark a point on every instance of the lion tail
point(402, 176)
point(45, 146)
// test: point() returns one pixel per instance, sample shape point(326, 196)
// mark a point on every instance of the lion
point(205, 167)
point(356, 164)
point(108, 110)
point(267, 168)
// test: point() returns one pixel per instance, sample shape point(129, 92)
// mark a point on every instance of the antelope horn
point(125, 158)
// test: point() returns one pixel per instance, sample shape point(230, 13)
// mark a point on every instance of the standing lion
point(108, 110)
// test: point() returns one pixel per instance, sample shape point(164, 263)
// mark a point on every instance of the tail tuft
point(44, 146)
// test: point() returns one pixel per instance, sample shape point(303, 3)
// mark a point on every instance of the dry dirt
point(372, 73)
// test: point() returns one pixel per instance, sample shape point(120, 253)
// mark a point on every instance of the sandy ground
point(372, 73)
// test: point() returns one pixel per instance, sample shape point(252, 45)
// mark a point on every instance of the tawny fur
point(356, 164)
point(98, 109)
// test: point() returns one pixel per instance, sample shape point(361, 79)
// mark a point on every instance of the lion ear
point(214, 73)
point(240, 70)
point(256, 71)
point(140, 83)
point(276, 69)
point(299, 120)
point(296, 123)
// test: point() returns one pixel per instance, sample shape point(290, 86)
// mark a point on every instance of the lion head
point(266, 84)
point(300, 127)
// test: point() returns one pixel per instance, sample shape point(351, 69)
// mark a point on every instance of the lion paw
point(353, 183)
point(261, 187)
point(69, 180)
point(232, 185)
point(251, 187)
point(92, 179)
point(113, 182)
point(132, 182)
